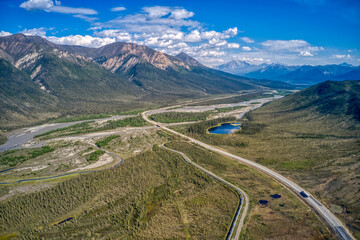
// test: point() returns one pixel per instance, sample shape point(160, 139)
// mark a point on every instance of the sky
point(291, 32)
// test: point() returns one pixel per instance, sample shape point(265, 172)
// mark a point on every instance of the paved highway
point(329, 218)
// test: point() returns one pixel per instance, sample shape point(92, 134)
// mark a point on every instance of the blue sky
point(285, 31)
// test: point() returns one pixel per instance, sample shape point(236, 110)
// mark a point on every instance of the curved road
point(242, 195)
point(330, 219)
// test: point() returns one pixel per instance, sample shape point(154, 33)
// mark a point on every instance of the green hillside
point(21, 99)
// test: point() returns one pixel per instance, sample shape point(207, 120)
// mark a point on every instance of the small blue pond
point(276, 196)
point(225, 128)
point(263, 202)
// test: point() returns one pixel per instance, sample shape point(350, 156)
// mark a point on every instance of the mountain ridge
point(301, 74)
point(114, 77)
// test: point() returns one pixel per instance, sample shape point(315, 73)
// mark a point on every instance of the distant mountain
point(114, 77)
point(273, 71)
point(239, 67)
point(189, 60)
point(315, 74)
point(330, 98)
point(352, 74)
point(304, 74)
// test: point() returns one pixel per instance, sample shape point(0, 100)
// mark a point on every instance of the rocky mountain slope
point(114, 77)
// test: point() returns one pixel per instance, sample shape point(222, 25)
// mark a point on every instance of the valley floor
point(152, 194)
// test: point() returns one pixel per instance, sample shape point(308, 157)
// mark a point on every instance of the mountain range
point(41, 80)
point(304, 75)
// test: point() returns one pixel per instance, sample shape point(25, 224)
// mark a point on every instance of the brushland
point(286, 216)
point(172, 117)
point(154, 195)
point(14, 157)
point(92, 126)
point(235, 99)
point(312, 137)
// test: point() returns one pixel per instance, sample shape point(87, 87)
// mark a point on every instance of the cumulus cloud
point(117, 34)
point(50, 6)
point(193, 36)
point(233, 45)
point(181, 13)
point(85, 41)
point(3, 33)
point(247, 40)
point(118, 9)
point(157, 11)
point(245, 48)
point(35, 31)
point(301, 47)
point(340, 56)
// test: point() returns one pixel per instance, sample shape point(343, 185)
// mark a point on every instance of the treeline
point(228, 109)
point(106, 141)
point(235, 99)
point(12, 158)
point(249, 126)
point(92, 126)
point(202, 127)
point(3, 138)
point(129, 201)
point(172, 117)
point(94, 156)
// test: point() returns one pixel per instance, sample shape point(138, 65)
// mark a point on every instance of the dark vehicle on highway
point(303, 194)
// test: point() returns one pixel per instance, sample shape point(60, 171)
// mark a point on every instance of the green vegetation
point(310, 138)
point(235, 99)
point(154, 195)
point(73, 129)
point(92, 126)
point(202, 127)
point(12, 157)
point(228, 109)
point(106, 141)
point(81, 118)
point(137, 121)
point(172, 117)
point(249, 127)
point(292, 220)
point(3, 138)
point(94, 156)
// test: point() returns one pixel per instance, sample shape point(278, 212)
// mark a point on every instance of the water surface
point(225, 128)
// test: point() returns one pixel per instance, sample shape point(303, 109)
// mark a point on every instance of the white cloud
point(301, 47)
point(181, 14)
point(306, 54)
point(86, 18)
point(3, 33)
point(118, 9)
point(71, 10)
point(35, 31)
point(233, 45)
point(247, 40)
point(231, 32)
point(340, 56)
point(193, 36)
point(49, 6)
point(86, 41)
point(37, 4)
point(117, 34)
point(157, 11)
point(245, 48)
